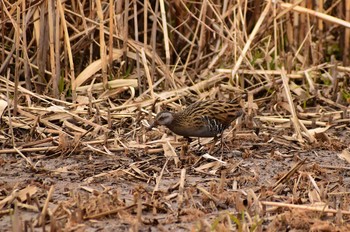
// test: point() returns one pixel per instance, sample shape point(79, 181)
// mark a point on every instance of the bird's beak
point(154, 124)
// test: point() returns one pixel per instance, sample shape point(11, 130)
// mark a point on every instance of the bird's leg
point(199, 142)
point(221, 145)
point(213, 145)
point(189, 140)
point(184, 148)
point(200, 146)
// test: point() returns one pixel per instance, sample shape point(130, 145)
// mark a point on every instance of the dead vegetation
point(80, 80)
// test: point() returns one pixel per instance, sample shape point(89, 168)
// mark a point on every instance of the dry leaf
point(345, 155)
point(3, 105)
point(169, 151)
point(318, 130)
point(30, 189)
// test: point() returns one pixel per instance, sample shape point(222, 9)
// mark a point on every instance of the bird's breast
point(194, 131)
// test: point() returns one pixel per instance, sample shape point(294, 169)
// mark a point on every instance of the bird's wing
point(202, 112)
point(224, 112)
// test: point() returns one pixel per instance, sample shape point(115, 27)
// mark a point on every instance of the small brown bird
point(207, 118)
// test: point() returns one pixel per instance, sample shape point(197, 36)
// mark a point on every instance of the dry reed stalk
point(111, 31)
point(153, 40)
point(25, 47)
point(286, 120)
point(124, 29)
point(136, 25)
point(165, 32)
point(94, 67)
point(67, 47)
point(17, 63)
point(159, 178)
point(346, 50)
point(148, 75)
point(294, 118)
point(288, 175)
point(192, 44)
point(114, 84)
point(52, 32)
point(138, 211)
point(202, 34)
point(25, 158)
point(250, 39)
point(146, 6)
point(109, 212)
point(296, 75)
point(103, 48)
point(321, 15)
point(180, 197)
point(305, 207)
point(41, 220)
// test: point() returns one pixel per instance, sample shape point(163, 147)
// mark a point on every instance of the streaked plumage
point(206, 118)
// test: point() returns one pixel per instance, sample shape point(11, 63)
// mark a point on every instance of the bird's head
point(163, 118)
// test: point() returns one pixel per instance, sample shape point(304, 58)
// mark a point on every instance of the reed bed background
point(85, 77)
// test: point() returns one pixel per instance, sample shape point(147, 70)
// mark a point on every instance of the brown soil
point(141, 191)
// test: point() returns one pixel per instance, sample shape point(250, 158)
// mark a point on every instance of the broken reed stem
point(181, 189)
point(304, 207)
point(139, 209)
point(286, 176)
point(159, 178)
point(295, 119)
point(285, 120)
point(110, 212)
point(46, 205)
point(25, 158)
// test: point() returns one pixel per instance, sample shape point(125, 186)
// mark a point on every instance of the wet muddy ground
point(263, 182)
